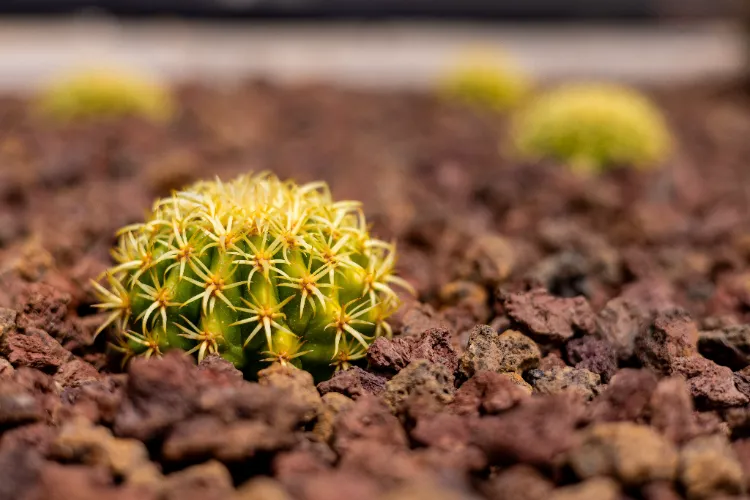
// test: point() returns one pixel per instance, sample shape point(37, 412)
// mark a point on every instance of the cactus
point(592, 127)
point(486, 80)
point(102, 93)
point(256, 270)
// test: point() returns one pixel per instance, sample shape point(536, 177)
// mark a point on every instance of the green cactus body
point(593, 127)
point(105, 93)
point(256, 270)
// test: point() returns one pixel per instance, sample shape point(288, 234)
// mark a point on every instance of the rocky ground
point(574, 338)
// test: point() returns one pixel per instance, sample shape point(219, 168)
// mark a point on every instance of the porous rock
point(509, 352)
point(488, 392)
point(389, 356)
point(634, 454)
point(421, 378)
point(598, 488)
point(526, 433)
point(595, 355)
point(580, 381)
point(548, 319)
point(709, 468)
point(353, 383)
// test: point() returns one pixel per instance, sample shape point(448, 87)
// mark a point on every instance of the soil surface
point(574, 338)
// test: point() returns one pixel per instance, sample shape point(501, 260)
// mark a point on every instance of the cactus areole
point(256, 270)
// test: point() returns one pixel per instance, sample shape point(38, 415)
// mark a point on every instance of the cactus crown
point(593, 126)
point(101, 93)
point(486, 80)
point(257, 270)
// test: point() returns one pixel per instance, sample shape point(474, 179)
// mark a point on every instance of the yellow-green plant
point(256, 270)
point(593, 126)
point(105, 93)
point(486, 80)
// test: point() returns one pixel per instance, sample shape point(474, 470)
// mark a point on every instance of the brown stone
point(635, 454)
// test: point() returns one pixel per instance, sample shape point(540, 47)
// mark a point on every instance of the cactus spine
point(256, 270)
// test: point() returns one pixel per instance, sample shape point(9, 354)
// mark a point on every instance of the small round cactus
point(593, 126)
point(486, 80)
point(104, 93)
point(256, 270)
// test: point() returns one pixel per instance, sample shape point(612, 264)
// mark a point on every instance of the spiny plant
point(104, 93)
point(593, 126)
point(256, 270)
point(486, 79)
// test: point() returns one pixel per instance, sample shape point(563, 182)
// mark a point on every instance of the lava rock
point(335, 485)
point(626, 398)
point(671, 335)
point(424, 490)
point(98, 401)
point(207, 481)
point(709, 468)
point(598, 488)
point(672, 409)
point(62, 482)
point(419, 318)
point(7, 320)
point(6, 369)
point(369, 419)
point(43, 307)
point(729, 346)
point(660, 490)
point(333, 404)
point(444, 431)
point(223, 370)
point(208, 436)
point(465, 296)
point(548, 319)
point(353, 383)
point(261, 488)
point(37, 436)
point(76, 372)
point(34, 348)
point(519, 482)
point(158, 394)
point(44, 390)
point(390, 356)
point(298, 384)
point(420, 377)
point(634, 454)
point(18, 405)
point(488, 393)
point(80, 441)
point(593, 354)
point(19, 471)
point(741, 380)
point(527, 433)
point(582, 382)
point(508, 352)
point(389, 466)
point(619, 323)
point(489, 259)
point(711, 385)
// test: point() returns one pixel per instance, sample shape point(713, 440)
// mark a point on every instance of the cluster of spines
point(219, 263)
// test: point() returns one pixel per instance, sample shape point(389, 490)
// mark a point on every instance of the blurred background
point(354, 92)
point(388, 42)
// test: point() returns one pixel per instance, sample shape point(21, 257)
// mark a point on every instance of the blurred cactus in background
point(591, 127)
point(256, 270)
point(486, 80)
point(105, 93)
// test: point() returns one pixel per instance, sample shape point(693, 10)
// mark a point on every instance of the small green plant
point(256, 270)
point(103, 93)
point(591, 127)
point(486, 80)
